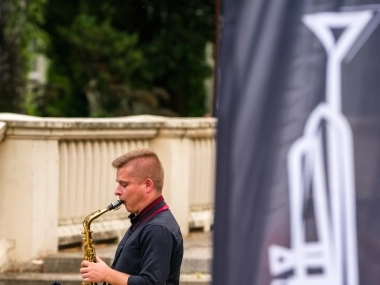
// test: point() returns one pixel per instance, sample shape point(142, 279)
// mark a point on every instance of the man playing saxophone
point(151, 250)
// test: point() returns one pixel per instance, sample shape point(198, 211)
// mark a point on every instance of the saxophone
point(87, 241)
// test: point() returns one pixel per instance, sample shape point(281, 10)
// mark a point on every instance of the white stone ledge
point(54, 134)
point(102, 230)
point(201, 133)
point(187, 133)
point(141, 127)
point(189, 123)
point(132, 122)
point(188, 127)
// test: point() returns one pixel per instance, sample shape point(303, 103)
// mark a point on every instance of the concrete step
point(33, 278)
point(69, 262)
point(75, 279)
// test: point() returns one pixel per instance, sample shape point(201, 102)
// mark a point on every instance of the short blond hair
point(146, 164)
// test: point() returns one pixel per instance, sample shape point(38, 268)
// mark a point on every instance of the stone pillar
point(173, 149)
point(29, 195)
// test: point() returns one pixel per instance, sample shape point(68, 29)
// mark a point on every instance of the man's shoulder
point(164, 221)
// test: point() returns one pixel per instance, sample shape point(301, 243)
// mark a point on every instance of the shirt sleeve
point(156, 250)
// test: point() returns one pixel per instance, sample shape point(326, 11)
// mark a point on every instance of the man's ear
point(149, 185)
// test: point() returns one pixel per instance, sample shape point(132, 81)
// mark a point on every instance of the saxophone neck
point(87, 221)
point(113, 206)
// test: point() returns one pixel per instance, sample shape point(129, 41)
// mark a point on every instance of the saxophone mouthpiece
point(115, 205)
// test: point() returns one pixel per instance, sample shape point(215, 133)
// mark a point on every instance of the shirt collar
point(158, 203)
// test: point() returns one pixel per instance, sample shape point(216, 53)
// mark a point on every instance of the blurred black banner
point(298, 146)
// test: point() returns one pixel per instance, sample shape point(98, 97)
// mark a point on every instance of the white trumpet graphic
point(325, 165)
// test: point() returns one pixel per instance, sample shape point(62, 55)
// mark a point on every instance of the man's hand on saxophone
point(99, 271)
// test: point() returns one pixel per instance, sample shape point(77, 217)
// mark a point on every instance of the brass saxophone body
point(87, 241)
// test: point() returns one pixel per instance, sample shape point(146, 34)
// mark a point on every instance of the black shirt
point(151, 251)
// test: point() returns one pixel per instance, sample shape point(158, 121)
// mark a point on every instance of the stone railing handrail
point(25, 121)
point(71, 127)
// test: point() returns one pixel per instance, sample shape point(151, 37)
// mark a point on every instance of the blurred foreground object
point(296, 195)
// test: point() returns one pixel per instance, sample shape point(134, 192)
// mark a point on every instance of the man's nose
point(117, 190)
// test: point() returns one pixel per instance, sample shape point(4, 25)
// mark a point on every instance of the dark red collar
point(154, 208)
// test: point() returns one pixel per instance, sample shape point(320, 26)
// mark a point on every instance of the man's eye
point(123, 185)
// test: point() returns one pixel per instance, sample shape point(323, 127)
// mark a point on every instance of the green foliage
point(173, 37)
point(115, 58)
point(19, 20)
point(34, 42)
point(102, 60)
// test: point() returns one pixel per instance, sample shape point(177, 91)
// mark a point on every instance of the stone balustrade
point(56, 171)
